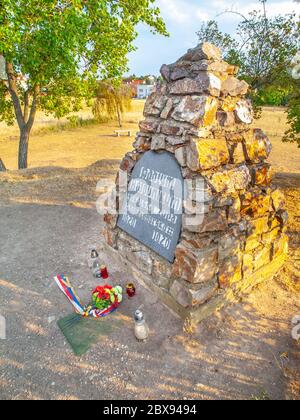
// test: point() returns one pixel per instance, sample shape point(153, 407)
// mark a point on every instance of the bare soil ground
point(49, 223)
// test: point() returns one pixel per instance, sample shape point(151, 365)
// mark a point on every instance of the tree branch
point(265, 33)
point(26, 106)
point(12, 87)
point(33, 110)
point(234, 12)
point(244, 43)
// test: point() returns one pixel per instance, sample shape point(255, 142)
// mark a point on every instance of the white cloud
point(173, 10)
point(273, 7)
point(181, 11)
point(187, 11)
point(200, 14)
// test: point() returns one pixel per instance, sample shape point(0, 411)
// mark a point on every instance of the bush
point(293, 115)
point(273, 96)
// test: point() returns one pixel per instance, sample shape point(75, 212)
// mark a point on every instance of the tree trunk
point(23, 148)
point(25, 120)
point(119, 117)
point(2, 166)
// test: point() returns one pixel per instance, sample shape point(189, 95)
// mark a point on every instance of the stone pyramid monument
point(231, 233)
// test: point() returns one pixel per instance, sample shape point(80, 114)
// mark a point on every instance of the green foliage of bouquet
point(106, 296)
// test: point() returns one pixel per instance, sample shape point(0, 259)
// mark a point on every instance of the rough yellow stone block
point(257, 146)
point(234, 87)
point(212, 153)
point(236, 153)
point(281, 246)
point(230, 181)
point(244, 111)
point(262, 257)
point(278, 200)
point(255, 203)
point(195, 266)
point(259, 226)
point(252, 243)
point(197, 110)
point(248, 264)
point(229, 104)
point(230, 271)
point(211, 109)
point(263, 175)
point(214, 221)
point(270, 237)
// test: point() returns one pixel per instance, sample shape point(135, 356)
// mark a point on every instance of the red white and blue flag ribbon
point(65, 286)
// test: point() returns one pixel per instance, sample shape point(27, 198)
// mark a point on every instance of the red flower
point(98, 289)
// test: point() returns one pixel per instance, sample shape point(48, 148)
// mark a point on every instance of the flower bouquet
point(106, 298)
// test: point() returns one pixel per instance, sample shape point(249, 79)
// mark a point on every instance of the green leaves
point(269, 45)
point(57, 42)
point(293, 114)
point(264, 48)
point(113, 99)
point(6, 106)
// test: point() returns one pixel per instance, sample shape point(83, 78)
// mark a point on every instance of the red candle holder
point(104, 272)
point(130, 290)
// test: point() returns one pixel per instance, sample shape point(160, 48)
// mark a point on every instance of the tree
point(293, 114)
point(263, 47)
point(55, 49)
point(112, 99)
point(210, 32)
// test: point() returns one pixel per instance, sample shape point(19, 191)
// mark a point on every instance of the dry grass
point(56, 185)
point(81, 147)
point(75, 148)
point(290, 275)
point(285, 157)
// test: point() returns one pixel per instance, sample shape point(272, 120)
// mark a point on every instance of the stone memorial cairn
point(199, 113)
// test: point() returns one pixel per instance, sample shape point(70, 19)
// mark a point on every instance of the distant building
point(141, 87)
point(133, 83)
point(143, 91)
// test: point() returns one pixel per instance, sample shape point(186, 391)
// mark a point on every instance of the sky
point(183, 18)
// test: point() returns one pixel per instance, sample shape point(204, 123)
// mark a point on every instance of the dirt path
point(56, 186)
point(244, 352)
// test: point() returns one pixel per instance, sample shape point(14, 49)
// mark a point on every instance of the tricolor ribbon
point(65, 286)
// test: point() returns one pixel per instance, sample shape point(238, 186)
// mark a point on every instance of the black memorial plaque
point(152, 208)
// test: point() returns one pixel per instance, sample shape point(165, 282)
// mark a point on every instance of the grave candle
point(104, 272)
point(130, 290)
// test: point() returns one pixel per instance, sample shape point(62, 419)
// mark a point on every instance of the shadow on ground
point(287, 180)
point(244, 352)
